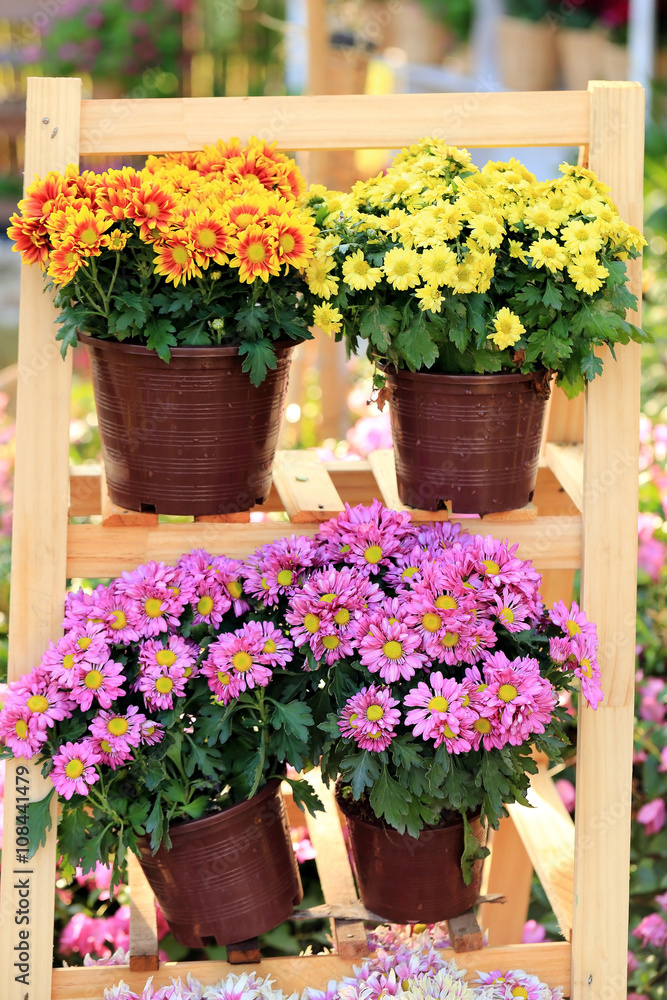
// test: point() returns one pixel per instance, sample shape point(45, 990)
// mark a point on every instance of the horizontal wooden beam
point(355, 121)
point(550, 962)
point(566, 461)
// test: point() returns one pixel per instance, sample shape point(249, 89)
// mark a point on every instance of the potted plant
point(183, 281)
point(469, 289)
point(439, 674)
point(165, 717)
point(527, 46)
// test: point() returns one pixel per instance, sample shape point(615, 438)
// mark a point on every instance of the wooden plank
point(527, 513)
point(386, 121)
point(304, 486)
point(547, 833)
point(85, 496)
point(609, 591)
point(510, 872)
point(95, 550)
point(333, 868)
point(144, 947)
point(465, 934)
point(566, 461)
point(382, 464)
point(549, 962)
point(41, 501)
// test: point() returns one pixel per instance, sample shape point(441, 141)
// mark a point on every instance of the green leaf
point(201, 757)
point(387, 799)
point(159, 336)
point(416, 346)
point(552, 296)
point(251, 319)
point(155, 825)
point(39, 821)
point(129, 311)
point(259, 357)
point(304, 794)
point(197, 807)
point(194, 335)
point(296, 717)
point(472, 851)
point(360, 771)
point(378, 323)
point(591, 366)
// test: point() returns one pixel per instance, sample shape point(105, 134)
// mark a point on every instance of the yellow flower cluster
point(227, 204)
point(433, 225)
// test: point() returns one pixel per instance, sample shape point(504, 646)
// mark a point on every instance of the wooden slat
point(304, 486)
point(384, 470)
point(609, 589)
point(547, 833)
point(566, 461)
point(340, 122)
point(85, 496)
point(143, 919)
point(41, 501)
point(510, 872)
point(549, 962)
point(333, 868)
point(527, 513)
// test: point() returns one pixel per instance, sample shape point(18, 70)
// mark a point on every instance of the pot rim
point(180, 351)
point(191, 826)
point(499, 378)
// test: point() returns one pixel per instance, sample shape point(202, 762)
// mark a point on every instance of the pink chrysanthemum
point(102, 682)
point(89, 643)
point(74, 769)
point(435, 536)
point(79, 607)
point(440, 712)
point(330, 644)
point(151, 732)
point(16, 732)
point(160, 685)
point(210, 602)
point(391, 649)
point(406, 570)
point(46, 702)
point(370, 717)
point(571, 620)
point(366, 537)
point(120, 729)
point(113, 755)
point(276, 569)
point(238, 654)
point(58, 660)
point(115, 611)
point(433, 613)
point(276, 649)
point(513, 611)
point(176, 654)
point(157, 600)
point(515, 985)
point(584, 651)
point(522, 699)
point(201, 566)
point(225, 684)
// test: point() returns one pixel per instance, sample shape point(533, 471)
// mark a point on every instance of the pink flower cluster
point(652, 929)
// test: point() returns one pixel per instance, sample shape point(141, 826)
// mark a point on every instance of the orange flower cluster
point(224, 205)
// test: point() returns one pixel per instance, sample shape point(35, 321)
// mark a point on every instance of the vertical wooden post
point(510, 874)
point(41, 498)
point(599, 942)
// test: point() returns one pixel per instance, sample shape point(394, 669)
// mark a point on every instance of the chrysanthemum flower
point(358, 273)
point(210, 237)
point(74, 769)
point(238, 653)
point(176, 259)
point(161, 684)
point(119, 729)
point(512, 611)
point(101, 682)
point(319, 279)
point(401, 268)
point(377, 717)
point(16, 732)
point(328, 318)
point(276, 650)
point(582, 659)
point(440, 712)
point(113, 755)
point(549, 254)
point(156, 600)
point(276, 569)
point(255, 254)
point(507, 327)
point(46, 702)
point(30, 240)
point(152, 208)
point(587, 273)
point(115, 611)
point(151, 732)
point(392, 650)
point(571, 620)
point(295, 239)
point(64, 262)
point(522, 699)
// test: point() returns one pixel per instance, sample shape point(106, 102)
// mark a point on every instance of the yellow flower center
point(256, 253)
point(311, 623)
point(149, 730)
point(393, 650)
point(506, 615)
point(68, 661)
point(572, 627)
point(492, 568)
point(21, 728)
point(449, 639)
point(465, 700)
point(118, 620)
point(448, 732)
point(265, 585)
point(118, 726)
point(269, 646)
point(242, 661)
point(374, 713)
point(153, 607)
point(482, 726)
point(342, 617)
point(287, 243)
point(165, 657)
point(37, 703)
point(88, 236)
point(331, 642)
point(327, 598)
point(106, 746)
point(520, 991)
point(164, 685)
point(445, 603)
point(223, 678)
point(180, 256)
point(409, 572)
point(206, 238)
point(74, 769)
point(84, 642)
point(507, 692)
point(152, 209)
point(235, 589)
point(205, 605)
point(93, 680)
point(585, 664)
point(373, 554)
point(438, 704)
point(285, 577)
point(344, 549)
point(431, 622)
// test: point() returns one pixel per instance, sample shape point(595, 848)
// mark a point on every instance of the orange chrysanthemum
point(65, 261)
point(116, 190)
point(115, 240)
point(246, 212)
point(151, 207)
point(175, 259)
point(295, 240)
point(30, 239)
point(85, 228)
point(255, 255)
point(210, 238)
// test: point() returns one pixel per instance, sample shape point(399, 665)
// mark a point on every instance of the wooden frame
point(593, 454)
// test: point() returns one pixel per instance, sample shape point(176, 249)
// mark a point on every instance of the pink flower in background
point(533, 932)
point(370, 433)
point(303, 848)
point(652, 815)
point(633, 964)
point(652, 930)
point(651, 708)
point(567, 792)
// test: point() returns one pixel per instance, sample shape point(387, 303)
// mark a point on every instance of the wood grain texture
point(41, 501)
point(355, 121)
point(566, 461)
point(305, 487)
point(143, 918)
point(609, 590)
point(510, 873)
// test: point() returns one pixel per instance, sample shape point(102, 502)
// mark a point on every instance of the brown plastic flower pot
point(411, 880)
point(229, 876)
point(473, 440)
point(193, 436)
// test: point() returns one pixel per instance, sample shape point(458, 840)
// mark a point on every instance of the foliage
point(194, 249)
point(115, 40)
point(436, 265)
point(165, 699)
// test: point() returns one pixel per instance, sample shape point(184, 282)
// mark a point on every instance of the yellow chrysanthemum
point(115, 240)
point(517, 251)
point(464, 278)
point(319, 279)
point(487, 231)
point(436, 264)
point(402, 268)
point(485, 263)
point(328, 318)
point(508, 329)
point(581, 237)
point(429, 298)
point(587, 273)
point(549, 254)
point(358, 273)
point(451, 220)
point(325, 245)
point(542, 218)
